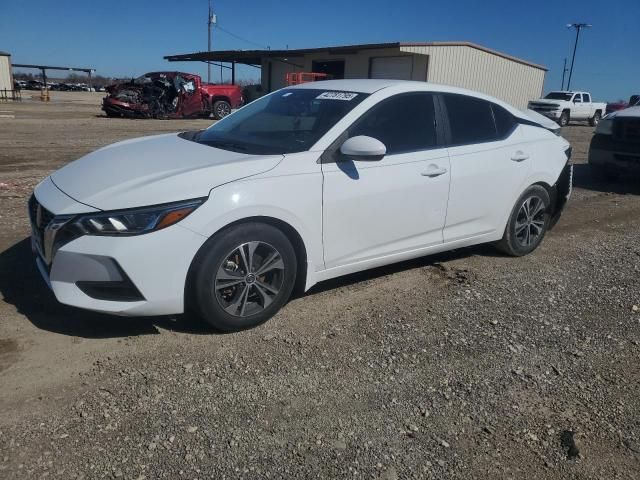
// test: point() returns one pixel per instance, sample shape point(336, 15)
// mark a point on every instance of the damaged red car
point(170, 95)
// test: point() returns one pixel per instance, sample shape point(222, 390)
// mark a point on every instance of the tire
point(563, 121)
point(593, 121)
point(231, 297)
point(221, 109)
point(515, 241)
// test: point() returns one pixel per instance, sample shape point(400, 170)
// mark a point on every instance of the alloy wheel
point(249, 279)
point(223, 109)
point(530, 222)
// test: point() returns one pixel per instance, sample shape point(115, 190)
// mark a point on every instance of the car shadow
point(22, 286)
point(435, 260)
point(587, 178)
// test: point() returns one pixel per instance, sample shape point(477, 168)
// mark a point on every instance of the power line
point(238, 37)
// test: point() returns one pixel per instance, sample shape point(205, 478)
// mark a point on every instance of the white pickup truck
point(564, 106)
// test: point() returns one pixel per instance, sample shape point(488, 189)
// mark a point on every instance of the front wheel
point(528, 222)
point(564, 119)
point(243, 276)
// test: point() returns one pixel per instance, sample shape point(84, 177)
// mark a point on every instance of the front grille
point(627, 129)
point(542, 106)
point(49, 232)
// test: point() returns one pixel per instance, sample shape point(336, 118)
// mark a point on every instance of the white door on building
point(396, 68)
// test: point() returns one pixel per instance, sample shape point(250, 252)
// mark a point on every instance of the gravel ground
point(462, 365)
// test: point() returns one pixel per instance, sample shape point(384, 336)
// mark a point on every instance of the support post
point(233, 73)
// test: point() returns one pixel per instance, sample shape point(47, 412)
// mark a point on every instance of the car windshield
point(288, 121)
point(559, 96)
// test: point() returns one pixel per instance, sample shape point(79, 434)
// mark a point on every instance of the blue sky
point(128, 38)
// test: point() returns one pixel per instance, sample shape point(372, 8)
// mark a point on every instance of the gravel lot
point(462, 365)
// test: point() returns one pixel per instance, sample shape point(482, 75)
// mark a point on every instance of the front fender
point(293, 199)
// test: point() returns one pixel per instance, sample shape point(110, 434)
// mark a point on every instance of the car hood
point(627, 112)
point(545, 101)
point(152, 170)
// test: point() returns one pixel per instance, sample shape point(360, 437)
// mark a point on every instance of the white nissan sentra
point(305, 184)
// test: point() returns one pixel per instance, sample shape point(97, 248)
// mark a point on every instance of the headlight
point(137, 220)
point(605, 126)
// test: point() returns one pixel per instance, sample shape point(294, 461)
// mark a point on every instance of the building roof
point(254, 57)
point(4, 54)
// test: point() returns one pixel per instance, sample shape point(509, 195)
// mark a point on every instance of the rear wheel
point(221, 109)
point(593, 121)
point(244, 275)
point(528, 222)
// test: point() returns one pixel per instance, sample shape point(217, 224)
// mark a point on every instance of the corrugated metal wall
point(355, 65)
point(5, 73)
point(460, 66)
point(468, 67)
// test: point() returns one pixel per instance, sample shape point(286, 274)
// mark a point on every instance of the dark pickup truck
point(170, 95)
point(615, 146)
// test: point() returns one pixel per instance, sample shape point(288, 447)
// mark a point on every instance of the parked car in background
point(171, 95)
point(621, 105)
point(305, 184)
point(564, 106)
point(34, 85)
point(615, 146)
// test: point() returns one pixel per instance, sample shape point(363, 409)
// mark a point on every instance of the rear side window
point(505, 122)
point(470, 120)
point(404, 123)
point(586, 98)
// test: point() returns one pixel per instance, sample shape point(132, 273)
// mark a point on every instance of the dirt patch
point(8, 353)
point(462, 365)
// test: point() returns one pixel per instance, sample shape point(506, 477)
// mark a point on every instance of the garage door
point(397, 68)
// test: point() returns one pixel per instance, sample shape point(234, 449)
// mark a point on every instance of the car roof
point(359, 85)
point(370, 86)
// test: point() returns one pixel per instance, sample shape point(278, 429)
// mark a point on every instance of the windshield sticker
point(337, 96)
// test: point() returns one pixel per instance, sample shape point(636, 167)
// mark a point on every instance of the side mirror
point(363, 148)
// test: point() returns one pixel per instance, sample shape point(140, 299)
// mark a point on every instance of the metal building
point(6, 79)
point(461, 64)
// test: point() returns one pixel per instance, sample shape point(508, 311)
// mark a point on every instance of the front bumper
point(615, 155)
point(134, 275)
point(552, 114)
point(122, 109)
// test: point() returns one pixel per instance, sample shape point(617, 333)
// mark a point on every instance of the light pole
point(564, 72)
point(578, 27)
point(211, 20)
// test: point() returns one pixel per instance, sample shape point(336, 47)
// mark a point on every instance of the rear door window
point(586, 98)
point(470, 120)
point(505, 121)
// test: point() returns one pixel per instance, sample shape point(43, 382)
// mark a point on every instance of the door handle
point(434, 171)
point(519, 156)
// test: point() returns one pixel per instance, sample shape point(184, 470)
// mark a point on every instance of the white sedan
point(305, 184)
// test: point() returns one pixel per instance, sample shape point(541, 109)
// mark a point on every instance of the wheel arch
point(214, 98)
point(290, 232)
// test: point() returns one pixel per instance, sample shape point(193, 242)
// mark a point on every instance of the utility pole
point(211, 21)
point(564, 72)
point(578, 27)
